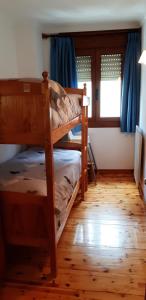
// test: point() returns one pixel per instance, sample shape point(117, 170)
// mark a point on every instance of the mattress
point(26, 173)
point(64, 107)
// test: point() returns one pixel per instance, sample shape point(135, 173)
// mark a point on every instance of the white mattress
point(26, 173)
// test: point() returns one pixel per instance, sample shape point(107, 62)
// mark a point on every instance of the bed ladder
point(92, 167)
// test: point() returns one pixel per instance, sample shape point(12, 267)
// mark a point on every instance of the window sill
point(104, 123)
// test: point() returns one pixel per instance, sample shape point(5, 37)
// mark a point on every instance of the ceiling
point(75, 11)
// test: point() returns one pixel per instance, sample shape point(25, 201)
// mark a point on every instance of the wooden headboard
point(23, 106)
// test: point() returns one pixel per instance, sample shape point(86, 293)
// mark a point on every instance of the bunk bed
point(38, 114)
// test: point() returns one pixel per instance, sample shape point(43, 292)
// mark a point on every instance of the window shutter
point(110, 66)
point(83, 65)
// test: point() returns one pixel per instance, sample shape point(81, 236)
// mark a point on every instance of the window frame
point(106, 121)
point(95, 46)
point(95, 54)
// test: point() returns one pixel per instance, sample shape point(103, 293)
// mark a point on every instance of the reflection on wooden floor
point(102, 252)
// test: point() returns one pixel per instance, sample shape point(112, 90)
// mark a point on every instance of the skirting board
point(125, 171)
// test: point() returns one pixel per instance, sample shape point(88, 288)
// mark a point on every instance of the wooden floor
point(101, 255)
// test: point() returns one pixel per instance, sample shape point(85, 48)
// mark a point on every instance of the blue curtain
point(63, 64)
point(131, 84)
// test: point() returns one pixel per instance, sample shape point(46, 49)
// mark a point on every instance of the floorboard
point(101, 255)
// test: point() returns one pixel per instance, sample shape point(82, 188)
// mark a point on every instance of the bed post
point(84, 144)
point(86, 138)
point(48, 144)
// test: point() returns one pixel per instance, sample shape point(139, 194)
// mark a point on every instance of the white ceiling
point(75, 11)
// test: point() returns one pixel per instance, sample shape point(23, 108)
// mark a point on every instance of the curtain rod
point(63, 34)
point(87, 33)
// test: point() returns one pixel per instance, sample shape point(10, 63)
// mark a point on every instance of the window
point(99, 60)
point(110, 85)
point(83, 64)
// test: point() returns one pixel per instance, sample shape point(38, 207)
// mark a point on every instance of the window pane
point(110, 85)
point(83, 64)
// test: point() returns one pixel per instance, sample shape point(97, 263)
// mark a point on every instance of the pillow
point(57, 90)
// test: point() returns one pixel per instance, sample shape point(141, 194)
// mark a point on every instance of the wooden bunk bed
point(25, 118)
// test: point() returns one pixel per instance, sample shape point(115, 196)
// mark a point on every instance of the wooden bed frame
point(28, 219)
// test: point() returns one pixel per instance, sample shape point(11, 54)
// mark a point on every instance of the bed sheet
point(26, 173)
point(64, 107)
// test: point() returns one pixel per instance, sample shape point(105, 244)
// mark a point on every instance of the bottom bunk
point(23, 194)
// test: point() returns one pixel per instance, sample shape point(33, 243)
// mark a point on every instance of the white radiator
point(137, 154)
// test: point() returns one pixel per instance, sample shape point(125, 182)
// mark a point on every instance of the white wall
point(90, 27)
point(8, 68)
point(8, 60)
point(112, 149)
point(143, 103)
point(29, 49)
point(8, 151)
point(46, 55)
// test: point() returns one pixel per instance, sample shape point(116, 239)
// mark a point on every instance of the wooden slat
point(68, 145)
point(2, 253)
point(70, 204)
point(100, 235)
point(76, 91)
point(25, 293)
point(104, 260)
point(106, 283)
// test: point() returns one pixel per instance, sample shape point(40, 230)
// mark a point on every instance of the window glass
point(83, 64)
point(110, 85)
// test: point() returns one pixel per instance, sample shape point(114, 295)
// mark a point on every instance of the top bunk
point(35, 112)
